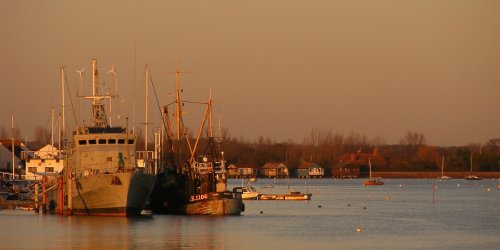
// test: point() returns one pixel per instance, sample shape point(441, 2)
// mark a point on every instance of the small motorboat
point(373, 182)
point(247, 192)
point(473, 178)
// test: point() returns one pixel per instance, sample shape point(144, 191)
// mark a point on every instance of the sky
point(276, 69)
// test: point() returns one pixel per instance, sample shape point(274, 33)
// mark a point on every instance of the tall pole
point(211, 130)
point(94, 80)
point(146, 123)
point(52, 128)
point(110, 110)
point(63, 104)
point(13, 164)
point(60, 139)
point(177, 101)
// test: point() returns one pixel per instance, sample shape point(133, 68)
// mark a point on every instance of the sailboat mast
point(471, 162)
point(370, 165)
point(62, 101)
point(12, 137)
point(146, 122)
point(442, 167)
point(211, 129)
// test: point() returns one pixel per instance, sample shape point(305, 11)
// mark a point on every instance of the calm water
point(403, 214)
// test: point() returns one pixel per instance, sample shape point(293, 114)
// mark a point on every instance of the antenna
point(112, 71)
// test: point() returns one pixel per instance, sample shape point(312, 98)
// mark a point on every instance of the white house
point(44, 161)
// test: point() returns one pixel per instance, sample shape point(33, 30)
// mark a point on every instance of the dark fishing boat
point(194, 183)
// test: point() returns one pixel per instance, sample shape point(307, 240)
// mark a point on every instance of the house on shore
point(46, 160)
point(310, 170)
point(6, 158)
point(274, 170)
point(355, 165)
point(241, 172)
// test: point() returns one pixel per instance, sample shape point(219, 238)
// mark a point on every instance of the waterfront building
point(310, 170)
point(274, 170)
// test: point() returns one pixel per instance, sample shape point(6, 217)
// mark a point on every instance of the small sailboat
point(372, 181)
point(443, 177)
point(472, 177)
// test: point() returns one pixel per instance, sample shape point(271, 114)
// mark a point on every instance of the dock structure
point(17, 204)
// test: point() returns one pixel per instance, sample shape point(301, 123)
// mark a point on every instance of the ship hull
point(120, 194)
point(216, 206)
point(170, 197)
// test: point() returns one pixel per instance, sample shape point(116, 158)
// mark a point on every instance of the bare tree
point(42, 135)
point(413, 139)
point(3, 133)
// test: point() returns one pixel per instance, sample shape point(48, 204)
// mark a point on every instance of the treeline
point(326, 147)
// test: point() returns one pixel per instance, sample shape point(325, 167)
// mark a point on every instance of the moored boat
point(195, 184)
point(443, 177)
point(292, 196)
point(100, 173)
point(470, 176)
point(372, 181)
point(247, 192)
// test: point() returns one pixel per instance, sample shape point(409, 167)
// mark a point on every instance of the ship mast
point(177, 102)
point(98, 112)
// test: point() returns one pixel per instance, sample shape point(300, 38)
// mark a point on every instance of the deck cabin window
point(102, 141)
point(121, 141)
point(32, 169)
point(112, 141)
point(82, 142)
point(49, 169)
point(109, 158)
point(130, 141)
point(92, 142)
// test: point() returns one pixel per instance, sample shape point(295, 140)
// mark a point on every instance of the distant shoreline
point(434, 175)
point(414, 175)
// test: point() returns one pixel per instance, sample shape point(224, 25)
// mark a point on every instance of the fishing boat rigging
point(192, 180)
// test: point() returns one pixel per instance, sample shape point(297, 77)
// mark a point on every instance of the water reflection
point(427, 214)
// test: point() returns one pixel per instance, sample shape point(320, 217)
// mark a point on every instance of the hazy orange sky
point(277, 68)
